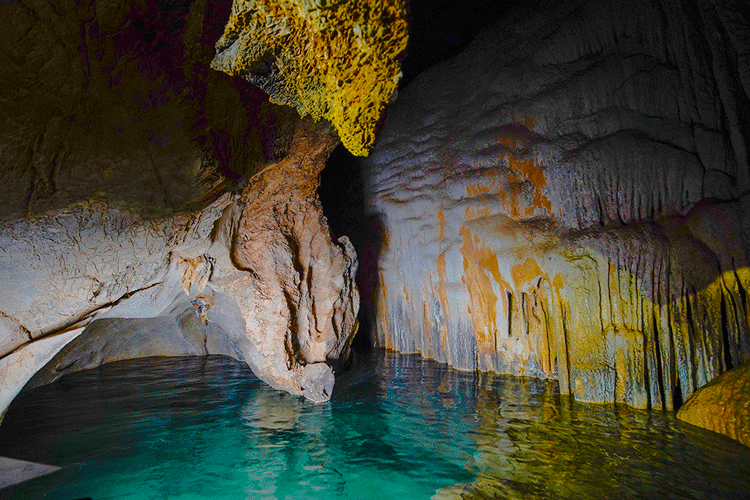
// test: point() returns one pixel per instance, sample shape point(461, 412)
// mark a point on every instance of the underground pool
point(400, 427)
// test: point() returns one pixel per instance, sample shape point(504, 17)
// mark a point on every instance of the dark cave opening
point(438, 30)
point(342, 194)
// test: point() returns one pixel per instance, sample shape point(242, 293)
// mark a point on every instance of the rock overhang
point(333, 60)
point(135, 245)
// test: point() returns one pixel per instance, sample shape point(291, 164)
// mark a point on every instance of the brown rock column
point(297, 294)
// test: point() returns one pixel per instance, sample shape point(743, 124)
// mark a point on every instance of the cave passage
point(342, 194)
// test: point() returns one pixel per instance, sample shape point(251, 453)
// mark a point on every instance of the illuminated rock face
point(264, 283)
point(132, 174)
point(723, 405)
point(566, 199)
point(333, 60)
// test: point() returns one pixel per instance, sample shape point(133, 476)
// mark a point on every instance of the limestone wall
point(254, 275)
point(138, 183)
point(115, 101)
point(568, 199)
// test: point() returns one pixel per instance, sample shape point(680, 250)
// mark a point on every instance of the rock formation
point(335, 60)
point(264, 282)
point(568, 199)
point(157, 207)
point(723, 405)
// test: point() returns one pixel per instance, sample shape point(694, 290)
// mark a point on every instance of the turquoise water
point(190, 428)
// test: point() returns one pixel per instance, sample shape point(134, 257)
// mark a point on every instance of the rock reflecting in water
point(207, 427)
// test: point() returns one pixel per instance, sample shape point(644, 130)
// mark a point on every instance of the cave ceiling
point(117, 102)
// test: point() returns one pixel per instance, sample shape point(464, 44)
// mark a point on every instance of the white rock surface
point(14, 471)
point(568, 199)
point(260, 266)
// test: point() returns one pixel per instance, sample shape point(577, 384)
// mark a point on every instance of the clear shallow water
point(189, 428)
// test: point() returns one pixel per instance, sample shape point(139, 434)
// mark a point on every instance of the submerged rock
point(723, 405)
point(568, 199)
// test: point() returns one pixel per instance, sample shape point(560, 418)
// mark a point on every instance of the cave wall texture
point(336, 60)
point(567, 198)
point(259, 270)
point(154, 206)
point(116, 101)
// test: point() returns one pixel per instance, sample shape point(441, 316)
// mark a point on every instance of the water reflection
point(206, 428)
point(529, 442)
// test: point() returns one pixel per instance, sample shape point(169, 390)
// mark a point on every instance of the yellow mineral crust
point(329, 59)
point(723, 405)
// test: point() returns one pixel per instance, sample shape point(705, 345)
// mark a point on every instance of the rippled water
point(188, 428)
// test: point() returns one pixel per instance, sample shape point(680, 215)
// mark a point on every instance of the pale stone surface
point(723, 405)
point(567, 199)
point(259, 266)
point(14, 471)
point(178, 331)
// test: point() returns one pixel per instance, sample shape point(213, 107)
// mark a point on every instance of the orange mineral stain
point(558, 282)
point(441, 222)
point(526, 273)
point(479, 264)
point(478, 189)
point(472, 213)
point(516, 139)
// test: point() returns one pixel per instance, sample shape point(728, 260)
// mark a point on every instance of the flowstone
point(568, 199)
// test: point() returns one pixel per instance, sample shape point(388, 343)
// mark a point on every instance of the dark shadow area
point(342, 194)
point(440, 29)
point(126, 106)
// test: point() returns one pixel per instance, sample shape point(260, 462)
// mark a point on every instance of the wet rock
point(178, 332)
point(722, 406)
point(298, 290)
point(21, 364)
point(567, 199)
point(128, 170)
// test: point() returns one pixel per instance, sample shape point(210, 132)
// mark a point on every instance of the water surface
point(191, 428)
